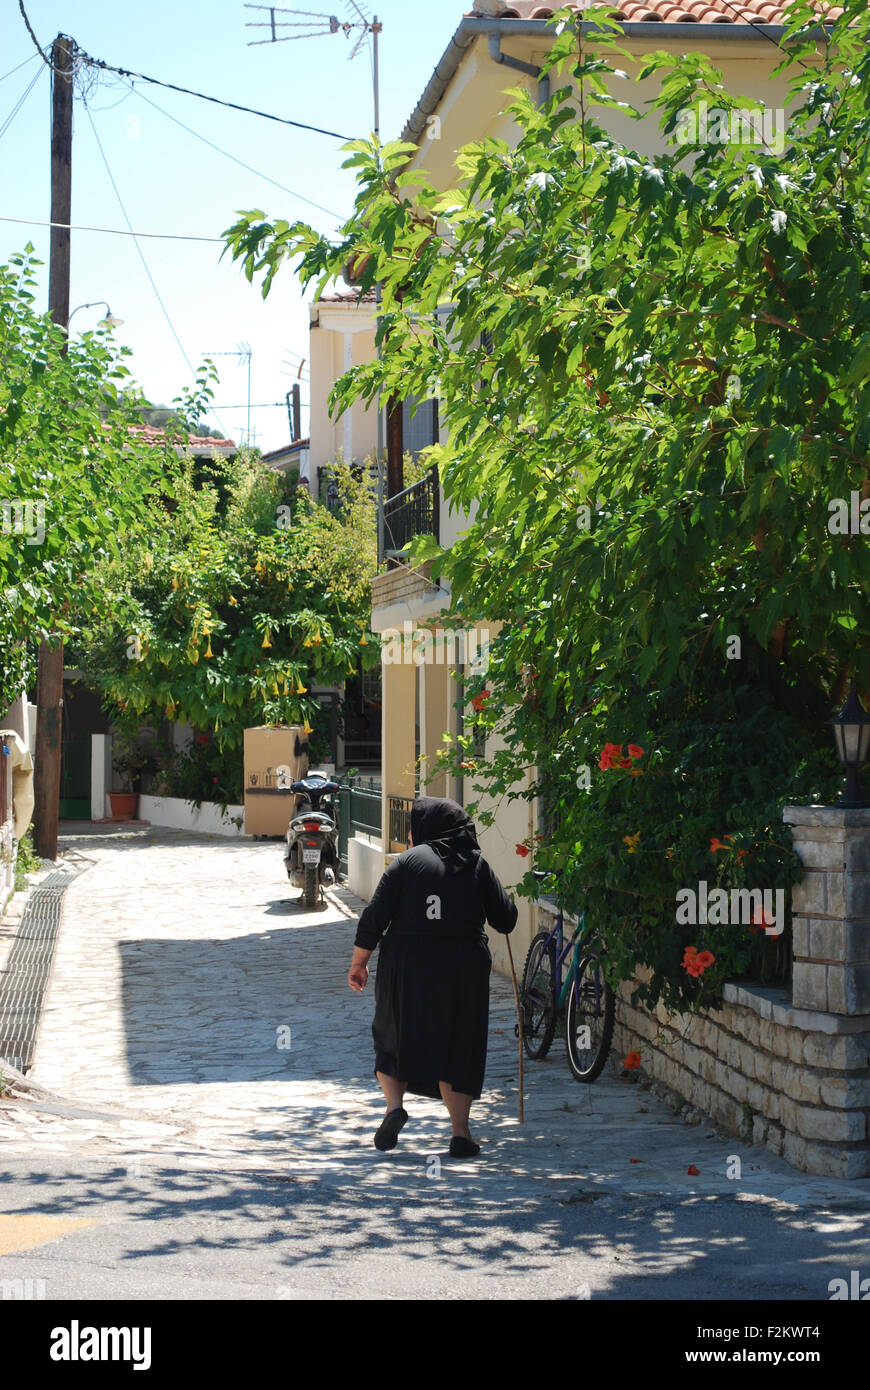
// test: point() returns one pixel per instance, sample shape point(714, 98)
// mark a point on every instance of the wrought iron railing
point(412, 512)
point(399, 820)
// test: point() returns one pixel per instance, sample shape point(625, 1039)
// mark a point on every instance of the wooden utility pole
point(395, 446)
point(49, 689)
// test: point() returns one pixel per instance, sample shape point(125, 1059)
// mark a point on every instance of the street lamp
point(852, 738)
point(108, 321)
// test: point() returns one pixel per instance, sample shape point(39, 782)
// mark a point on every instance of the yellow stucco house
point(494, 48)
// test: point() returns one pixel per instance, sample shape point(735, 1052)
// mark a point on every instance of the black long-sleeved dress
point(432, 986)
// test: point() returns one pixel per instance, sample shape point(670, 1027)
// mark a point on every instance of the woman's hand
point(358, 975)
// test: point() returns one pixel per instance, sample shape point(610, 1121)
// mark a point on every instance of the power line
point(145, 263)
point(113, 231)
point(316, 25)
point(187, 91)
point(235, 160)
point(12, 71)
point(130, 89)
point(18, 105)
point(84, 57)
point(740, 13)
point(36, 44)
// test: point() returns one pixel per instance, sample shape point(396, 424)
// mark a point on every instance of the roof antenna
point(308, 24)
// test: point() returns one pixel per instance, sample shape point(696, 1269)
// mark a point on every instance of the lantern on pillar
point(852, 738)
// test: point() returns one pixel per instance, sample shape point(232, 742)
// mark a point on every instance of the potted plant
point(131, 763)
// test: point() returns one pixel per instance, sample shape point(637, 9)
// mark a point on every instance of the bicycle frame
point(563, 950)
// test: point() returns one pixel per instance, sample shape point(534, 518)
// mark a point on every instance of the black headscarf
point(449, 830)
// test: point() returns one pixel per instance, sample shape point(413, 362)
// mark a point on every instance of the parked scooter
point(311, 855)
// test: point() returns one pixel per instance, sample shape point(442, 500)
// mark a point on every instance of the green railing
point(360, 813)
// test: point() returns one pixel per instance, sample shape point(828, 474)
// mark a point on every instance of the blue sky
point(171, 182)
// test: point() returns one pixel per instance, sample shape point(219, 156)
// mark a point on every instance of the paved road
point(179, 1148)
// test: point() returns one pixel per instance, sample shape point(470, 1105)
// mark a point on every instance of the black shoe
point(460, 1147)
point(387, 1136)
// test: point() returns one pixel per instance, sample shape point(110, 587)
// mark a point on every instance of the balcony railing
point(412, 512)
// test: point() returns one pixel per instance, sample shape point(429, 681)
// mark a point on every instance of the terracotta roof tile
point(294, 445)
point(349, 297)
point(152, 435)
point(679, 11)
point(634, 12)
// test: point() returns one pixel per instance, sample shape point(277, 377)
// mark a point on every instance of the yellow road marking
point(25, 1232)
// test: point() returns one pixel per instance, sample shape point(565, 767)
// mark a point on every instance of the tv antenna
point(243, 355)
point(307, 24)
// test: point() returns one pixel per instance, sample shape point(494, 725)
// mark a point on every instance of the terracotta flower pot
point(123, 805)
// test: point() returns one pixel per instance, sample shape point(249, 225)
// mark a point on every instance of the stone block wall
point(785, 1067)
point(794, 1080)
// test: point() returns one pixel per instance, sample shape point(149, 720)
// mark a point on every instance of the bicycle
point(590, 1002)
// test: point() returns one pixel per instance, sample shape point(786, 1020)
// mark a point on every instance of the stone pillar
point(831, 909)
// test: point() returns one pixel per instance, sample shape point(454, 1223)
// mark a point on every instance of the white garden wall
point(175, 814)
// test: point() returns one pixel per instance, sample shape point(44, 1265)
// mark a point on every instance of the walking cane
point(519, 1023)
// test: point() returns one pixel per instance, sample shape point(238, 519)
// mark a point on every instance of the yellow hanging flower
point(266, 642)
point(233, 601)
point(301, 689)
point(208, 650)
point(317, 640)
point(306, 728)
point(306, 643)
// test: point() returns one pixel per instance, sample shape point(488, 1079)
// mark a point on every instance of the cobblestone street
point(179, 1150)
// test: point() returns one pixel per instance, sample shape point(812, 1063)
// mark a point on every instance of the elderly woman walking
point(432, 986)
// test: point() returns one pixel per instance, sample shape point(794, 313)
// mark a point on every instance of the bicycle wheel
point(589, 1025)
point(538, 996)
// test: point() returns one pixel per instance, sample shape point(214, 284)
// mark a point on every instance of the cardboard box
point(273, 756)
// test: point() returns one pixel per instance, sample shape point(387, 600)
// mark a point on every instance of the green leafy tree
point(245, 602)
point(672, 392)
point(75, 485)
